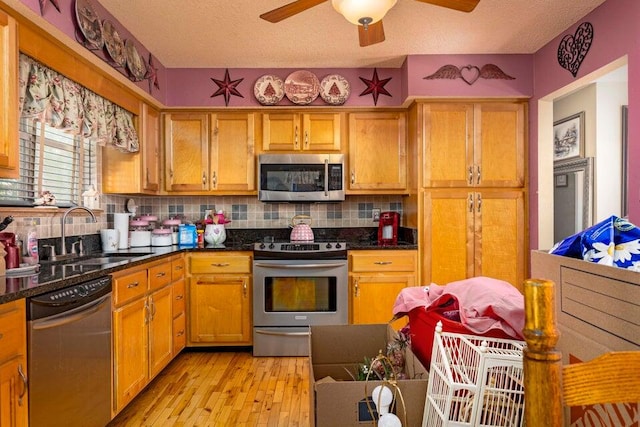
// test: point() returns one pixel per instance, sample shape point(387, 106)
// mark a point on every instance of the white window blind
point(50, 160)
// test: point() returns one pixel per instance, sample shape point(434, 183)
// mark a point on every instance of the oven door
point(288, 293)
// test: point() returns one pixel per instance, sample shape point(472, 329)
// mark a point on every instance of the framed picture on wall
point(568, 138)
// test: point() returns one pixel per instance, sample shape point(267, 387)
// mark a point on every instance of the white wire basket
point(474, 381)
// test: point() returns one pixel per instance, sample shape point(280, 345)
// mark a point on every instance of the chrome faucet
point(63, 221)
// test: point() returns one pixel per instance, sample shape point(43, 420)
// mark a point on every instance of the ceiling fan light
point(355, 10)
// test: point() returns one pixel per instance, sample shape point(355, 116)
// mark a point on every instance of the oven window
point(305, 294)
point(292, 178)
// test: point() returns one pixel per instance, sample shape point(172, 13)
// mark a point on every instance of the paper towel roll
point(121, 223)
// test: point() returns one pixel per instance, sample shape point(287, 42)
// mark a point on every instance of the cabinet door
point(377, 152)
point(448, 145)
point(13, 393)
point(499, 232)
point(130, 329)
point(220, 309)
point(9, 148)
point(373, 297)
point(499, 152)
point(186, 139)
point(321, 132)
point(160, 330)
point(150, 148)
point(280, 132)
point(448, 250)
point(232, 152)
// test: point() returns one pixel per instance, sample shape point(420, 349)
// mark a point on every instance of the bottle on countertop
point(32, 244)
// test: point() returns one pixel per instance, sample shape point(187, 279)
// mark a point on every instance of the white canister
point(161, 237)
point(109, 239)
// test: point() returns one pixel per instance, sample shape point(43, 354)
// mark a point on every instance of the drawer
point(177, 269)
point(13, 329)
point(160, 275)
point(220, 264)
point(178, 298)
point(383, 261)
point(129, 286)
point(179, 333)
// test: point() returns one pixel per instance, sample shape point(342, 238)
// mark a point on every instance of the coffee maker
point(388, 228)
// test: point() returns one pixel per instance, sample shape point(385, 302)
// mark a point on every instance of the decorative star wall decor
point(227, 87)
point(469, 73)
point(574, 48)
point(375, 86)
point(43, 3)
point(152, 74)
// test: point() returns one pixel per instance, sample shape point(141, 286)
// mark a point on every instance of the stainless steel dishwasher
point(69, 356)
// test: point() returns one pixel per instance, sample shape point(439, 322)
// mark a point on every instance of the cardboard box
point(338, 400)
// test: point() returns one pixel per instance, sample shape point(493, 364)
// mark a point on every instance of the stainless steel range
point(296, 285)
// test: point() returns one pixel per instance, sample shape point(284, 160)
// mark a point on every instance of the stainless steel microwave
point(301, 177)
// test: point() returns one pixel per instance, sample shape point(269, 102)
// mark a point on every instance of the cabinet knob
point(132, 285)
point(204, 178)
point(25, 384)
point(353, 177)
point(356, 289)
point(306, 138)
point(295, 140)
point(471, 202)
point(214, 180)
point(383, 262)
point(470, 175)
point(478, 176)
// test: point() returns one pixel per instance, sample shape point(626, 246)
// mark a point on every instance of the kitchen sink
point(102, 260)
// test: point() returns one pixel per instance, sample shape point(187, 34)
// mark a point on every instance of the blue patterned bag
point(614, 242)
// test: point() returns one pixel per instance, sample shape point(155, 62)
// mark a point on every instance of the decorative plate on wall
point(113, 43)
point(334, 89)
point(302, 87)
point(135, 64)
point(269, 89)
point(89, 24)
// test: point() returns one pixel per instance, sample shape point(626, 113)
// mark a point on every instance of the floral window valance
point(65, 104)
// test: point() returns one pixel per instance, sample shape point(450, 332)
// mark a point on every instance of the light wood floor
point(224, 389)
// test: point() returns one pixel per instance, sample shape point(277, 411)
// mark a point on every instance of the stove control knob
point(338, 245)
point(272, 246)
point(328, 245)
point(262, 246)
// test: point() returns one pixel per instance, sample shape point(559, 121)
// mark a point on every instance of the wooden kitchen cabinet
point(135, 173)
point(14, 411)
point(302, 132)
point(9, 145)
point(209, 152)
point(474, 145)
point(377, 153)
point(376, 279)
point(220, 299)
point(178, 309)
point(142, 327)
point(474, 233)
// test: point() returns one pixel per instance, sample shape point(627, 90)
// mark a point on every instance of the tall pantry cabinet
point(469, 198)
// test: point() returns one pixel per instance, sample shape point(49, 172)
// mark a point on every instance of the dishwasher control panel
point(67, 298)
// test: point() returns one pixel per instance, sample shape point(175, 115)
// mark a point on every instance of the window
point(50, 160)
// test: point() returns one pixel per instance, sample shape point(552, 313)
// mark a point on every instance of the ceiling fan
point(366, 14)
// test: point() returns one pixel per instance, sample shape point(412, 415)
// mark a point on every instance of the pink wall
point(616, 33)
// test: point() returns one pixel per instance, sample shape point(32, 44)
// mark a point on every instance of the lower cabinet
point(220, 299)
point(376, 279)
point(14, 399)
point(142, 327)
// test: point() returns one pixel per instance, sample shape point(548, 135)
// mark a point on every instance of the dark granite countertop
point(54, 276)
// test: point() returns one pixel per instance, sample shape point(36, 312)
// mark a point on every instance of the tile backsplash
point(244, 211)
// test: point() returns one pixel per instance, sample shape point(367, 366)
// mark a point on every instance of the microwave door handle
point(326, 177)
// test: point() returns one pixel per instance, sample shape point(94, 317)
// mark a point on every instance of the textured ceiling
point(229, 33)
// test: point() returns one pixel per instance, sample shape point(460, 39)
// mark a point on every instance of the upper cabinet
point(135, 173)
point(474, 145)
point(209, 152)
point(377, 152)
point(302, 132)
point(9, 148)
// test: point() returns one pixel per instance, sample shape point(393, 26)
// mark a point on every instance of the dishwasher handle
point(72, 316)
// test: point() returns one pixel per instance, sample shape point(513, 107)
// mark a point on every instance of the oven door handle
point(298, 266)
point(286, 334)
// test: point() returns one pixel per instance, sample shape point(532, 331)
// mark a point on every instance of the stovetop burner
point(306, 250)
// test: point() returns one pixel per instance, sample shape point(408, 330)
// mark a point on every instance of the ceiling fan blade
point(288, 10)
point(461, 5)
point(372, 35)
